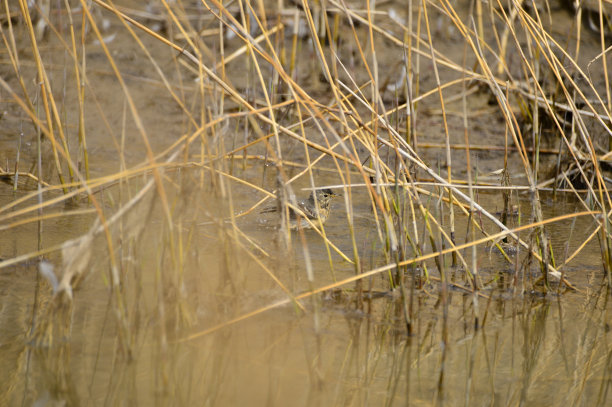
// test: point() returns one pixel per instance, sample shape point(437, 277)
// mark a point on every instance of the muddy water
point(194, 342)
point(198, 319)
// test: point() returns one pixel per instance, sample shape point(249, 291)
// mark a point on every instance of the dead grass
point(271, 96)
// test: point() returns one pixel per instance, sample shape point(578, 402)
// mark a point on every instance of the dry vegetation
point(171, 126)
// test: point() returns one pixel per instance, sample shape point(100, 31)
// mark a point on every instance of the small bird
point(309, 207)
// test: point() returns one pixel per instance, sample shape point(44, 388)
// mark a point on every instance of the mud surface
point(199, 316)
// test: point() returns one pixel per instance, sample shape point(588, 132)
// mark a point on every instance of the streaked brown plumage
point(323, 197)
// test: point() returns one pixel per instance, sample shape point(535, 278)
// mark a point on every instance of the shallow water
point(198, 311)
point(195, 343)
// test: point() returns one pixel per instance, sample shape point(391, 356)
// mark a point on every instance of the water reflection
point(529, 350)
